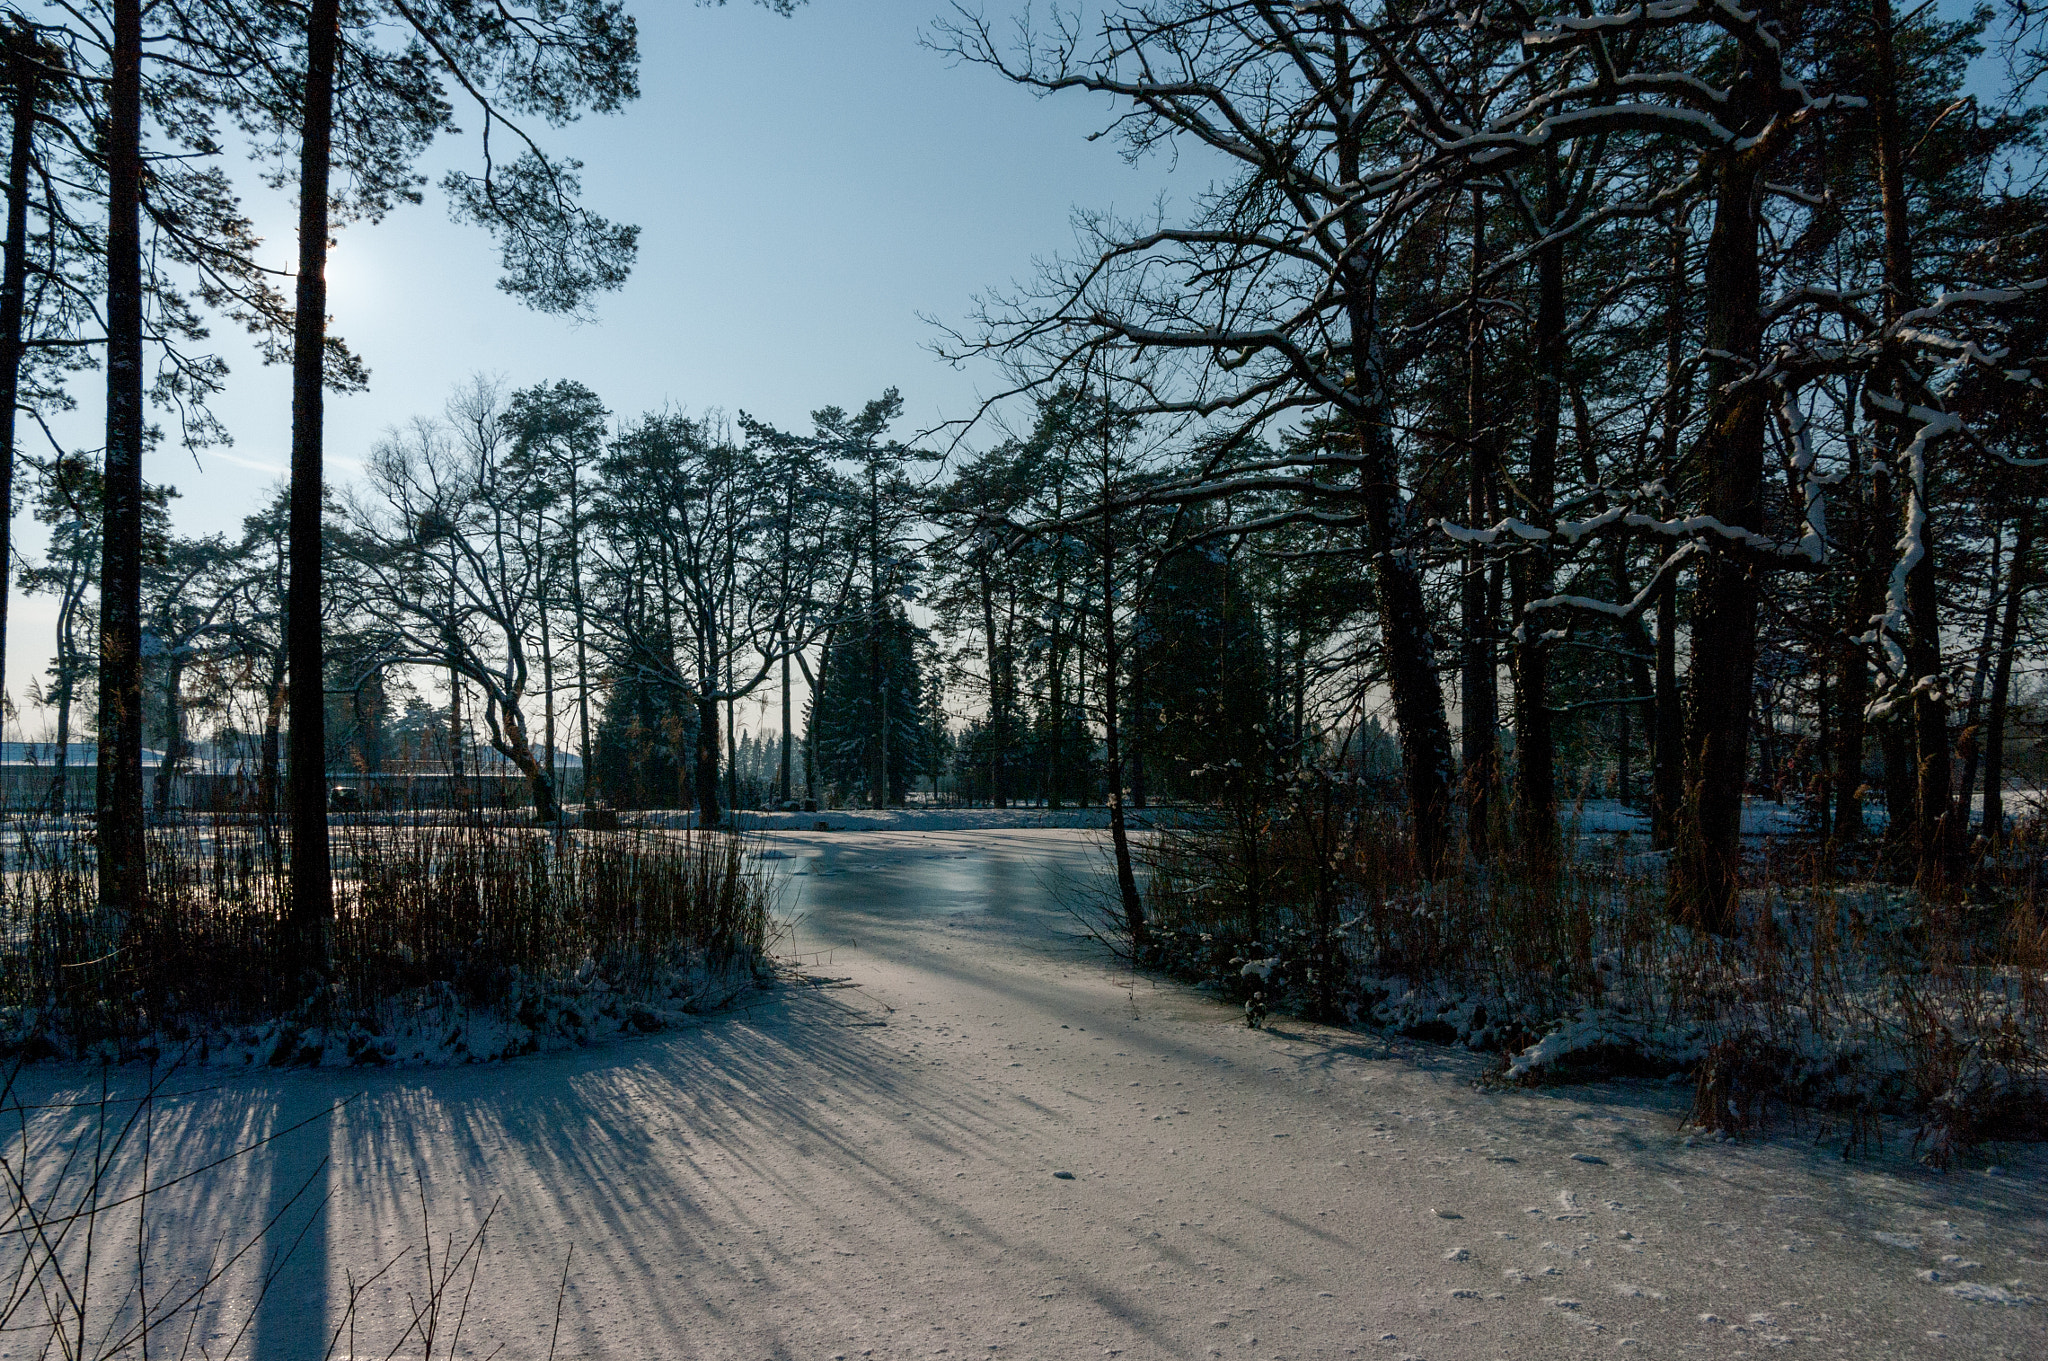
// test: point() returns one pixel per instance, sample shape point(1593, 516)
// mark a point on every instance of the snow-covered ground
point(981, 1139)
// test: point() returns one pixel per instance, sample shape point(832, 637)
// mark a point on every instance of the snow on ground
point(1760, 817)
point(984, 1140)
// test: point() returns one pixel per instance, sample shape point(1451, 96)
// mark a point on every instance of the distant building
point(224, 777)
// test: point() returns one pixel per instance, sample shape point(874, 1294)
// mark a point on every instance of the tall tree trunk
point(709, 811)
point(509, 737)
point(1119, 834)
point(1935, 831)
point(123, 867)
point(582, 638)
point(782, 782)
point(1479, 685)
point(174, 731)
point(1667, 717)
point(1636, 673)
point(1966, 787)
point(817, 688)
point(2016, 582)
point(1057, 678)
point(312, 877)
point(547, 683)
point(458, 783)
point(25, 79)
point(1136, 759)
point(60, 775)
point(270, 758)
point(1667, 774)
point(1405, 635)
point(1535, 747)
point(1852, 675)
point(1406, 639)
point(998, 694)
point(1729, 463)
point(709, 814)
point(878, 776)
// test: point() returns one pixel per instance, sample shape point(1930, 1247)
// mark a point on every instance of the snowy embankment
point(872, 1167)
point(1843, 999)
point(437, 1027)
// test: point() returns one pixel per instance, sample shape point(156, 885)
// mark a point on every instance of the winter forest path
point(871, 1169)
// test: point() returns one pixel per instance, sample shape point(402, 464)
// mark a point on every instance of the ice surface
point(866, 1168)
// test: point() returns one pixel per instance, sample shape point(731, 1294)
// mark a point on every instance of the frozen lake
point(872, 1167)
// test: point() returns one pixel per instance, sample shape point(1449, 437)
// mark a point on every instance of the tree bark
point(1408, 644)
point(312, 907)
point(782, 783)
point(1667, 718)
point(547, 684)
point(1136, 758)
point(1729, 463)
point(174, 732)
point(998, 695)
point(1535, 746)
point(271, 761)
point(509, 737)
point(1852, 678)
point(1119, 836)
point(60, 778)
point(1636, 675)
point(1479, 685)
point(123, 867)
point(2001, 679)
point(1667, 776)
point(582, 643)
point(1409, 648)
point(25, 78)
point(1935, 833)
point(458, 784)
point(709, 814)
point(1973, 753)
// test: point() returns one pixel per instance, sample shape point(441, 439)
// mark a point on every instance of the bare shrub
point(1848, 997)
point(427, 912)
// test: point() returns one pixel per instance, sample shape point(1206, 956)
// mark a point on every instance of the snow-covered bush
point(1851, 997)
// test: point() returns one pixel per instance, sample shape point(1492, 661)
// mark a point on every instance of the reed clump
point(516, 936)
point(1828, 993)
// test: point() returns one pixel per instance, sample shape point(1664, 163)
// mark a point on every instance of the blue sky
point(806, 188)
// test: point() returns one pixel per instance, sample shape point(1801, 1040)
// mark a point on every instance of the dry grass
point(1829, 994)
point(472, 911)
